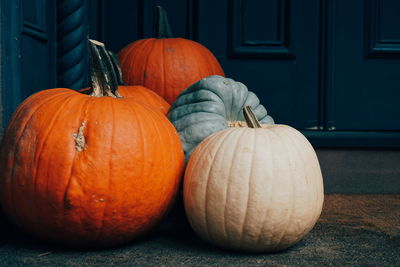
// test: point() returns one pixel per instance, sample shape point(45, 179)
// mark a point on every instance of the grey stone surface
point(360, 171)
point(352, 231)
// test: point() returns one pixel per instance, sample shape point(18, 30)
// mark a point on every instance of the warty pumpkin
point(210, 105)
point(88, 170)
point(165, 64)
point(253, 189)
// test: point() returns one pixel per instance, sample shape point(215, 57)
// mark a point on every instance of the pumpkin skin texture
point(145, 96)
point(254, 190)
point(142, 95)
point(88, 171)
point(210, 105)
point(167, 65)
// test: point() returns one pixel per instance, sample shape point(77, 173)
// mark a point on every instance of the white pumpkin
point(253, 189)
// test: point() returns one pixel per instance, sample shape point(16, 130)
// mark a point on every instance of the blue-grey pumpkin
point(212, 104)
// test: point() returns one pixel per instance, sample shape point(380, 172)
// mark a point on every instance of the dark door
point(330, 68)
point(28, 50)
point(364, 65)
point(43, 46)
point(271, 46)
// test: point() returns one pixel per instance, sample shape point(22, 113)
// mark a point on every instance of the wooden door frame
point(327, 136)
point(1, 73)
point(10, 60)
point(72, 34)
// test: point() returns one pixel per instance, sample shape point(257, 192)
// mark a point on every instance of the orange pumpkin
point(139, 93)
point(145, 96)
point(88, 170)
point(167, 65)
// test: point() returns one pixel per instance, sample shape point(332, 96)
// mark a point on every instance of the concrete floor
point(354, 230)
point(360, 171)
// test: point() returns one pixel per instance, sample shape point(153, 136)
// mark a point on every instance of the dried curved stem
point(102, 74)
point(163, 30)
point(250, 118)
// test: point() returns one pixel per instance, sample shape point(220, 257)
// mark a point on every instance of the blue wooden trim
point(375, 46)
point(11, 60)
point(72, 35)
point(192, 19)
point(329, 65)
point(96, 19)
point(240, 47)
point(322, 65)
point(146, 19)
point(34, 31)
point(367, 139)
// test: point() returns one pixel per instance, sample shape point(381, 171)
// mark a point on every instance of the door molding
point(375, 45)
point(11, 60)
point(326, 135)
point(278, 46)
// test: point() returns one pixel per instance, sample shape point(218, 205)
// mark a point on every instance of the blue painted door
point(363, 64)
point(330, 68)
point(271, 46)
point(43, 46)
point(28, 50)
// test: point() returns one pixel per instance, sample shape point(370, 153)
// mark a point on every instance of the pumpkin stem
point(102, 75)
point(250, 118)
point(164, 30)
point(116, 67)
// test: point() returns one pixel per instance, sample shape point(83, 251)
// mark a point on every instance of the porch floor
point(354, 230)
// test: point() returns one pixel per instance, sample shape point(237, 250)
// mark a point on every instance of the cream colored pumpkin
point(253, 189)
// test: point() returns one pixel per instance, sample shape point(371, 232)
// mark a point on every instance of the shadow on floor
point(351, 231)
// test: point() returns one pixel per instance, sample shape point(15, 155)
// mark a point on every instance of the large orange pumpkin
point(167, 65)
point(88, 170)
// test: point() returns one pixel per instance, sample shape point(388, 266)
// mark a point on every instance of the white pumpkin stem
point(250, 118)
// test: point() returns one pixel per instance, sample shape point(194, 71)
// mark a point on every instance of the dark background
point(330, 68)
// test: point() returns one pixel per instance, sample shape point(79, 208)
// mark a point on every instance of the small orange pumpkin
point(145, 96)
point(88, 170)
point(167, 65)
point(141, 95)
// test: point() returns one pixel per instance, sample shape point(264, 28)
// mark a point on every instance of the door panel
point(260, 31)
point(116, 24)
point(37, 50)
point(276, 57)
point(28, 49)
point(119, 25)
point(271, 46)
point(331, 66)
point(364, 63)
